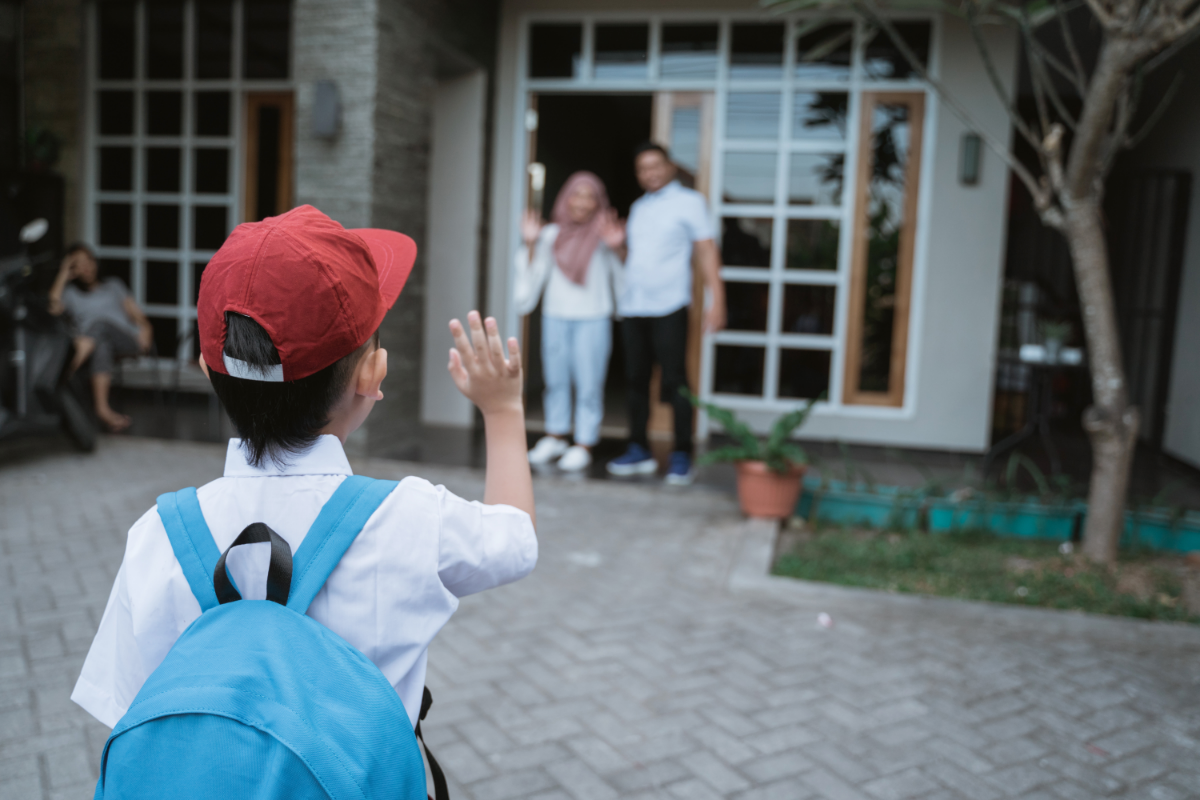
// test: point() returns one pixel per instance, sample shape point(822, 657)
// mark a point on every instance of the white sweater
point(565, 299)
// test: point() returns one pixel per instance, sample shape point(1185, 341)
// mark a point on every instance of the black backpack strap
point(440, 792)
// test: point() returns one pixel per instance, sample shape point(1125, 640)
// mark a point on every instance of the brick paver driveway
point(627, 667)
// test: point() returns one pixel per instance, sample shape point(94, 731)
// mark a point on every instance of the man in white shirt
point(669, 228)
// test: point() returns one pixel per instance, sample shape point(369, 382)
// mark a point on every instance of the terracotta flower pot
point(764, 493)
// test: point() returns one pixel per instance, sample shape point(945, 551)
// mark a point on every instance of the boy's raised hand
point(479, 368)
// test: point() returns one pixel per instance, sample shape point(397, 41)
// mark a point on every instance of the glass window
point(749, 177)
point(739, 369)
point(212, 170)
point(115, 268)
point(812, 244)
point(212, 113)
point(746, 242)
point(622, 51)
point(209, 227)
point(825, 53)
point(164, 39)
point(883, 60)
point(197, 273)
point(803, 374)
point(808, 309)
point(164, 113)
point(815, 179)
point(756, 50)
point(162, 169)
point(166, 335)
point(689, 51)
point(555, 50)
point(162, 282)
point(116, 40)
point(266, 38)
point(747, 306)
point(820, 115)
point(116, 113)
point(685, 137)
point(116, 169)
point(752, 115)
point(214, 38)
point(115, 223)
point(162, 226)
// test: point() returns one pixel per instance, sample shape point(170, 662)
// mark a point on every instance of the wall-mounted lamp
point(327, 110)
point(970, 159)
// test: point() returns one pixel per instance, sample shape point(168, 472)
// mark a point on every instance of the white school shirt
point(565, 299)
point(663, 226)
point(394, 589)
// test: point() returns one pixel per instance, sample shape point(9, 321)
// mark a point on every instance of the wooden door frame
point(253, 101)
point(894, 396)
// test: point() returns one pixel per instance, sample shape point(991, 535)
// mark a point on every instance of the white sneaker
point(547, 449)
point(576, 459)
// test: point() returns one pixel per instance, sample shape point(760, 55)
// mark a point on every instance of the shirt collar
point(670, 187)
point(325, 457)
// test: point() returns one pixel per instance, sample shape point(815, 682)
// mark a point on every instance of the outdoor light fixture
point(970, 154)
point(327, 110)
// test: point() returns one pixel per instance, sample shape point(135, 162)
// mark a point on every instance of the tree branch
point(1072, 50)
point(1106, 18)
point(990, 67)
point(1169, 95)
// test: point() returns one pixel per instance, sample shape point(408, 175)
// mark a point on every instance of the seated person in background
point(108, 323)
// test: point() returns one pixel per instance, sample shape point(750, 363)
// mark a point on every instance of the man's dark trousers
point(663, 340)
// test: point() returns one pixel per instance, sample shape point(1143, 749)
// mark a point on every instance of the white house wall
point(960, 245)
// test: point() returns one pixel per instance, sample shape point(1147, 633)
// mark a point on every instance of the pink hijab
point(577, 240)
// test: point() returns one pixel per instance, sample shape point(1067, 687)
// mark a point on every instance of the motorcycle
point(38, 393)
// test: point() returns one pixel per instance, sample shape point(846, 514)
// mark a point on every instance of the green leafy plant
point(776, 450)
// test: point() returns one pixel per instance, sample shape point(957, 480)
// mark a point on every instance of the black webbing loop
point(440, 792)
point(279, 574)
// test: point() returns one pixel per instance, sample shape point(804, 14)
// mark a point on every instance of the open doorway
point(595, 132)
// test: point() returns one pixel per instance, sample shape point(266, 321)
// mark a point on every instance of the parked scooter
point(37, 395)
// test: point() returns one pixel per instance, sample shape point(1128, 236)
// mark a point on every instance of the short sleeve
point(70, 299)
point(113, 671)
point(117, 286)
point(482, 546)
point(696, 218)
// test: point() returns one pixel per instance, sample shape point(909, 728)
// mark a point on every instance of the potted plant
point(769, 470)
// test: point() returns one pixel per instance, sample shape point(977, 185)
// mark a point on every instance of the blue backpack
point(258, 700)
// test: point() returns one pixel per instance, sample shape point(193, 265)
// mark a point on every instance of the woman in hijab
point(572, 264)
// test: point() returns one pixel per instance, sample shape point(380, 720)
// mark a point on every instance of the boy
point(288, 316)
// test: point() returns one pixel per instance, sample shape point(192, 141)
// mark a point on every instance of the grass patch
point(981, 566)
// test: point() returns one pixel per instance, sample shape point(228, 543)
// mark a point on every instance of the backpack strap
point(339, 523)
point(440, 790)
point(192, 542)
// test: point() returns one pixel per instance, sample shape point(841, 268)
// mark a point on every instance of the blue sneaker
point(679, 469)
point(636, 461)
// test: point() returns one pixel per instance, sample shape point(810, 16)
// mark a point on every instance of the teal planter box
point(1008, 518)
point(877, 507)
point(1159, 529)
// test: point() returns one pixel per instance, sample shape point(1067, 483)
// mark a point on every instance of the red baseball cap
point(317, 289)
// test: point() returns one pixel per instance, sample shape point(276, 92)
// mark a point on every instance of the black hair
point(78, 247)
point(277, 419)
point(650, 147)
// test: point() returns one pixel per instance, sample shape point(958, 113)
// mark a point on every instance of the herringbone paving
point(624, 667)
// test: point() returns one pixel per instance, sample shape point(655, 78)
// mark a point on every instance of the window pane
point(115, 222)
point(803, 373)
point(212, 113)
point(746, 242)
point(162, 282)
point(622, 51)
point(752, 115)
point(820, 115)
point(114, 268)
point(749, 177)
point(689, 51)
point(883, 59)
point(739, 369)
point(164, 113)
point(555, 50)
point(162, 169)
point(885, 223)
point(116, 169)
point(197, 273)
point(746, 304)
point(214, 38)
point(685, 138)
point(162, 226)
point(208, 228)
point(116, 40)
point(116, 113)
point(812, 244)
point(815, 179)
point(166, 336)
point(212, 170)
point(824, 54)
point(164, 39)
point(808, 309)
point(266, 38)
point(756, 51)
